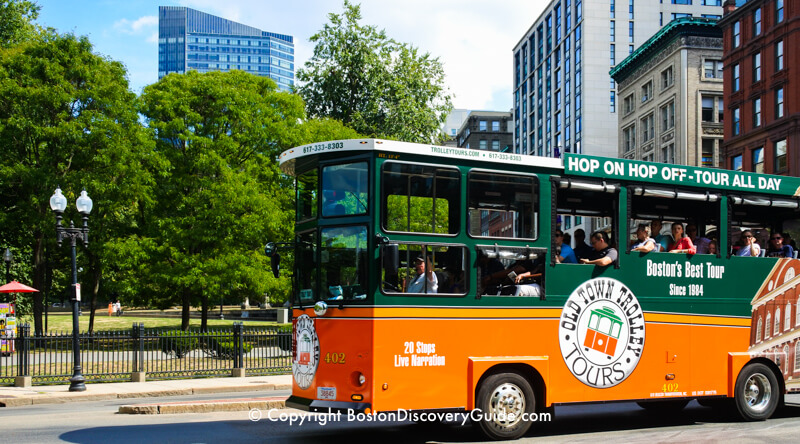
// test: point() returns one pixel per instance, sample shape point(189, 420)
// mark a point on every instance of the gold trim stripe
point(506, 313)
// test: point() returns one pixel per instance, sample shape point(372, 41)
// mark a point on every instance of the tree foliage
point(373, 84)
point(16, 21)
point(67, 118)
point(221, 195)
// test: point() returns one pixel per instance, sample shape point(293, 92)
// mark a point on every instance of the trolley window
point(503, 205)
point(420, 198)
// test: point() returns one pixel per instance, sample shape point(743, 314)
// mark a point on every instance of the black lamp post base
point(77, 383)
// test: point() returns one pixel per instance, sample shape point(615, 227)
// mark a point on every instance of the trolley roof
point(604, 168)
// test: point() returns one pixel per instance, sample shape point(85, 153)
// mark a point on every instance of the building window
point(681, 2)
point(629, 138)
point(797, 315)
point(796, 351)
point(735, 74)
point(757, 67)
point(708, 153)
point(787, 317)
point(495, 126)
point(736, 34)
point(482, 125)
point(736, 122)
point(647, 91)
point(778, 11)
point(495, 145)
point(758, 331)
point(668, 153)
point(777, 329)
point(482, 144)
point(779, 103)
point(612, 30)
point(707, 112)
point(648, 128)
point(736, 163)
point(712, 2)
point(758, 160)
point(757, 22)
point(613, 102)
point(628, 104)
point(612, 59)
point(612, 8)
point(757, 112)
point(779, 55)
point(668, 116)
point(712, 69)
point(666, 78)
point(630, 32)
point(780, 156)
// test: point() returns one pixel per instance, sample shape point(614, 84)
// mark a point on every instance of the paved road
point(625, 422)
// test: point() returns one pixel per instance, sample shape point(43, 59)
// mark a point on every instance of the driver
point(425, 280)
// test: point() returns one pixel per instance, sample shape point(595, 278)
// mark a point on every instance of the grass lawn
point(103, 322)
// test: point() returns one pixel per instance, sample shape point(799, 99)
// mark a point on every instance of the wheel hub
point(507, 405)
point(758, 392)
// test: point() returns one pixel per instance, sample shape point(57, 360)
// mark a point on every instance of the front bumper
point(315, 405)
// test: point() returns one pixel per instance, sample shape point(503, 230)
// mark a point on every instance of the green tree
point(16, 21)
point(221, 196)
point(66, 118)
point(373, 84)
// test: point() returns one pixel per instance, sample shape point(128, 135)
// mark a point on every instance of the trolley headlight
point(320, 308)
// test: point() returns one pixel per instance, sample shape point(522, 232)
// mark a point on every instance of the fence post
point(238, 351)
point(138, 374)
point(23, 378)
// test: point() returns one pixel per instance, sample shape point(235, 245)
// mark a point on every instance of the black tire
point(505, 393)
point(666, 406)
point(757, 393)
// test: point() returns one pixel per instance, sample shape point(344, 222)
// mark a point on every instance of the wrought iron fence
point(156, 353)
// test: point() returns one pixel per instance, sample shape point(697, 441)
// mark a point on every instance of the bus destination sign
point(668, 174)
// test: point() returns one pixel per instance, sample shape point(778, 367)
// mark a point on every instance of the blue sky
point(474, 39)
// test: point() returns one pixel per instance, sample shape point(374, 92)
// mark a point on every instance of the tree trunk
point(96, 274)
point(204, 315)
point(39, 272)
point(185, 298)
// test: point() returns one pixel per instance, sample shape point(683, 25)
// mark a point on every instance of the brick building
point(762, 87)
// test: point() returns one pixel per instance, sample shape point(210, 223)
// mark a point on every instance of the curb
point(26, 400)
point(220, 405)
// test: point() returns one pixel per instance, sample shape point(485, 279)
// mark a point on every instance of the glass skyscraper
point(190, 39)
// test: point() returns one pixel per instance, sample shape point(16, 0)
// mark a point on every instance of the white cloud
point(473, 39)
point(138, 26)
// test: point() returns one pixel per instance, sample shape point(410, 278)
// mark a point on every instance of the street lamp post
point(58, 203)
point(8, 257)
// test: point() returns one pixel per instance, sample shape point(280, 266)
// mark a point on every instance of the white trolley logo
point(601, 332)
point(306, 357)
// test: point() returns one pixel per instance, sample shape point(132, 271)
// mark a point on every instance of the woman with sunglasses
point(749, 245)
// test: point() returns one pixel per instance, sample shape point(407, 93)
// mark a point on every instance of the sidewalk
point(57, 394)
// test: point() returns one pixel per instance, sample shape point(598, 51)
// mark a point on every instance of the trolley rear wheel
point(507, 404)
point(757, 393)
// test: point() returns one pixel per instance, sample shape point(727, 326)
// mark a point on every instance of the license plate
point(326, 393)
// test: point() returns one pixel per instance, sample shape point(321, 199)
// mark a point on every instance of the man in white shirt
point(425, 281)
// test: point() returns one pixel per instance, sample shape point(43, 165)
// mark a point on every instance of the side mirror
point(275, 262)
point(391, 257)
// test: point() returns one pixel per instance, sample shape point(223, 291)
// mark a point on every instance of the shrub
point(178, 342)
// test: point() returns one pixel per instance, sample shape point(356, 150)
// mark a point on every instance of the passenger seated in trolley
point(682, 242)
point(603, 254)
point(777, 248)
point(525, 275)
point(748, 245)
point(644, 243)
